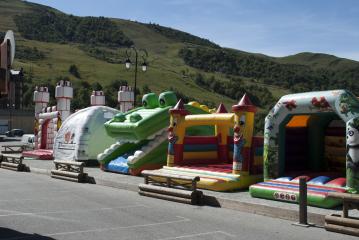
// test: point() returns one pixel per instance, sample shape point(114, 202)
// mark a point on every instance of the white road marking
point(36, 199)
point(199, 234)
point(18, 213)
point(182, 219)
point(10, 211)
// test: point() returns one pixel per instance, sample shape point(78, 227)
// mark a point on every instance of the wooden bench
point(12, 162)
point(70, 171)
point(12, 149)
point(171, 187)
point(344, 223)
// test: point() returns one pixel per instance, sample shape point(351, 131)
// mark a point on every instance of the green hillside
point(50, 42)
point(319, 60)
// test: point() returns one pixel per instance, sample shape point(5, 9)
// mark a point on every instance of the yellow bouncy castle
point(228, 157)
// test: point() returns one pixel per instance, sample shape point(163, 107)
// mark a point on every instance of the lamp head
point(128, 63)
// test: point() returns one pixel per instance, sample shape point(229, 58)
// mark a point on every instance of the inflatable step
point(319, 180)
point(118, 165)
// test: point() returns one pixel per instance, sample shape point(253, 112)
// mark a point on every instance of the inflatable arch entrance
point(317, 118)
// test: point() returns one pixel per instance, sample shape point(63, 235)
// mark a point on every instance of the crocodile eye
point(351, 133)
point(120, 117)
point(135, 117)
point(167, 99)
point(149, 101)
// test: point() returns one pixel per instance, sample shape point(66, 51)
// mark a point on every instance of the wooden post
point(303, 201)
point(303, 215)
point(194, 185)
point(168, 180)
point(343, 223)
point(345, 209)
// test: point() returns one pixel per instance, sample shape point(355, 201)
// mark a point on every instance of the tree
point(146, 89)
point(96, 86)
point(111, 91)
point(74, 71)
point(199, 79)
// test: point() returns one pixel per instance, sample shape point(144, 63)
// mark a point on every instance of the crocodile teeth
point(101, 156)
point(113, 147)
point(131, 158)
point(156, 139)
point(138, 153)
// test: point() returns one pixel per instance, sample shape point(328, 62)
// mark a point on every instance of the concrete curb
point(264, 210)
point(39, 171)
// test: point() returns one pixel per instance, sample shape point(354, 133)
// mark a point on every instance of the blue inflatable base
point(118, 165)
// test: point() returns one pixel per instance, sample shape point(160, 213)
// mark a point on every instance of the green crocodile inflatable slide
point(142, 135)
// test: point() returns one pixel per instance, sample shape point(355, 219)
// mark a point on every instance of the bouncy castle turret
point(125, 98)
point(63, 95)
point(175, 147)
point(41, 99)
point(243, 133)
point(98, 98)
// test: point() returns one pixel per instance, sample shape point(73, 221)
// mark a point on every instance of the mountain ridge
point(210, 77)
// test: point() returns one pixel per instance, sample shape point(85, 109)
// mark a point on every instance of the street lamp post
point(138, 52)
point(10, 106)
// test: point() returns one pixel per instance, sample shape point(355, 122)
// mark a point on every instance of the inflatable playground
point(141, 135)
point(77, 136)
point(48, 119)
point(82, 135)
point(226, 158)
point(314, 135)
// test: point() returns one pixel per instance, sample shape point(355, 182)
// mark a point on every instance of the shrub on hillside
point(29, 53)
point(291, 76)
point(102, 54)
point(49, 26)
point(181, 36)
point(74, 71)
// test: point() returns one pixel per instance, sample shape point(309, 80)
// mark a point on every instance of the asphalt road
point(38, 207)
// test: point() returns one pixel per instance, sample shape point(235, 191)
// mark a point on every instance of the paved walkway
point(34, 206)
point(240, 200)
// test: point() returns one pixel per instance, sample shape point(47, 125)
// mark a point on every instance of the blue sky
point(272, 27)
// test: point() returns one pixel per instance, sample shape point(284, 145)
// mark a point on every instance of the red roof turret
point(244, 105)
point(179, 108)
point(221, 109)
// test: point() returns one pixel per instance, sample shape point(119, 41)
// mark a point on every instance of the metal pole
point(303, 201)
point(134, 93)
point(10, 118)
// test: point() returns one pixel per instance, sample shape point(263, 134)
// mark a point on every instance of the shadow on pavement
point(9, 234)
point(210, 201)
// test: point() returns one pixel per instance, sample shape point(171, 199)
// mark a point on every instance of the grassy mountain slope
point(164, 64)
point(196, 68)
point(319, 60)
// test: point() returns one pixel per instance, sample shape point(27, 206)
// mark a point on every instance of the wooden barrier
point(70, 171)
point(176, 188)
point(12, 162)
point(12, 149)
point(344, 223)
